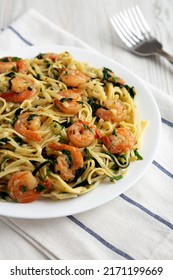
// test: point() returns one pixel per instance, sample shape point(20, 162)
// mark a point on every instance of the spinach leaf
point(4, 141)
point(139, 157)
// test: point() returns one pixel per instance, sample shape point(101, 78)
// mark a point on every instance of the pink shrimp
point(8, 64)
point(68, 162)
point(115, 111)
point(81, 133)
point(22, 89)
point(68, 101)
point(73, 78)
point(27, 127)
point(122, 141)
point(22, 187)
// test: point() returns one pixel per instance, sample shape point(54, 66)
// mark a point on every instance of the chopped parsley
point(131, 90)
point(115, 178)
point(31, 117)
point(39, 56)
point(87, 127)
point(69, 159)
point(15, 58)
point(49, 161)
point(18, 140)
point(139, 157)
point(107, 73)
point(39, 188)
point(4, 141)
point(65, 99)
point(16, 114)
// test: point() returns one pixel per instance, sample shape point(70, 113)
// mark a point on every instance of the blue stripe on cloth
point(100, 239)
point(163, 169)
point(167, 122)
point(20, 36)
point(155, 216)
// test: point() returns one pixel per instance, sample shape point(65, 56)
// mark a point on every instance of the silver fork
point(132, 28)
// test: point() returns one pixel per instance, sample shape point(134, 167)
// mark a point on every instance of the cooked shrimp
point(121, 141)
point(27, 124)
point(68, 162)
point(114, 111)
point(22, 187)
point(51, 56)
point(73, 78)
point(8, 64)
point(68, 101)
point(81, 134)
point(22, 89)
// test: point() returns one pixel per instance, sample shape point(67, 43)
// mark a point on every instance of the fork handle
point(165, 55)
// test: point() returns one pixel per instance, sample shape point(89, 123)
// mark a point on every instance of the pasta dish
point(65, 126)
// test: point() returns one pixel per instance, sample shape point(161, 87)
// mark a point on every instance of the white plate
point(148, 110)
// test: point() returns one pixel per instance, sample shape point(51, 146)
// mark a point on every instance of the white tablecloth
point(136, 225)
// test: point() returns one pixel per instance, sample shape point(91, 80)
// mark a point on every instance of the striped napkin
point(136, 225)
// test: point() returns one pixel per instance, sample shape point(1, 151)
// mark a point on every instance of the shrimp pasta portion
point(65, 126)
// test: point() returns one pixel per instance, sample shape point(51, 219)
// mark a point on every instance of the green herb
point(4, 59)
point(114, 132)
point(94, 105)
point(56, 127)
point(39, 188)
point(113, 178)
point(10, 75)
point(14, 69)
point(39, 56)
point(84, 183)
point(69, 159)
point(23, 189)
point(15, 58)
point(4, 163)
point(139, 157)
point(107, 73)
point(120, 160)
point(31, 117)
point(87, 154)
point(49, 161)
point(16, 114)
point(65, 99)
point(47, 62)
point(38, 77)
point(79, 172)
point(3, 195)
point(66, 73)
point(62, 139)
point(18, 140)
point(87, 127)
point(4, 141)
point(131, 90)
point(66, 124)
point(115, 79)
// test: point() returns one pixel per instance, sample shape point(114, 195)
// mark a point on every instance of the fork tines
point(131, 26)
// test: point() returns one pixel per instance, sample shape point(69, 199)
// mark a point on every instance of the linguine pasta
point(68, 124)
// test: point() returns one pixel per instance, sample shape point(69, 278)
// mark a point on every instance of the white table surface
point(89, 20)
